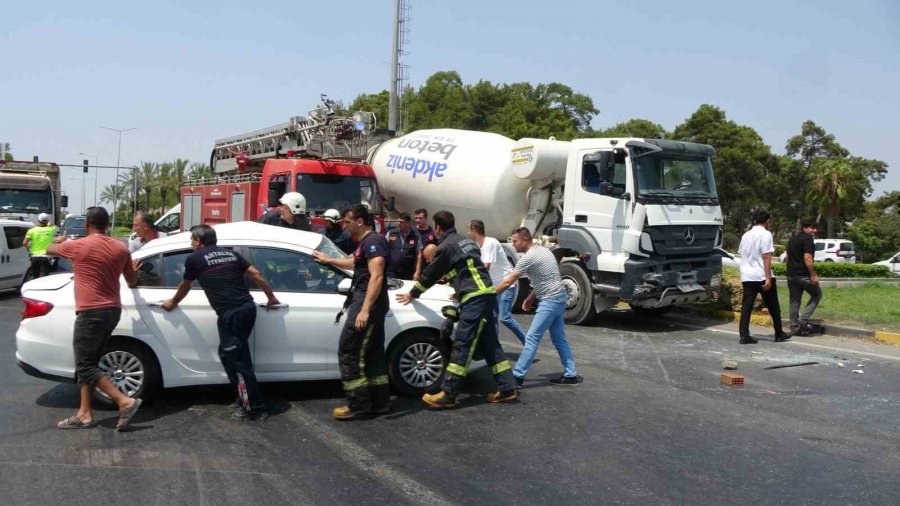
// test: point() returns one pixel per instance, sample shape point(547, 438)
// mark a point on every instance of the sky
point(186, 73)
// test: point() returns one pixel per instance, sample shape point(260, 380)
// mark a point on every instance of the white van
point(835, 250)
point(15, 264)
point(170, 222)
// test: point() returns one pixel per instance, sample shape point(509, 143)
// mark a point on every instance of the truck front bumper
point(659, 282)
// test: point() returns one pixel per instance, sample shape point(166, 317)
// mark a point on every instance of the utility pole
point(119, 163)
point(96, 175)
point(398, 70)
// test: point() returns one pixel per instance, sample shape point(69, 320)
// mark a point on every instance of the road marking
point(801, 343)
point(365, 460)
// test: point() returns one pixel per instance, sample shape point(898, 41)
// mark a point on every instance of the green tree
point(876, 234)
point(198, 170)
point(643, 128)
point(744, 165)
point(376, 103)
point(812, 143)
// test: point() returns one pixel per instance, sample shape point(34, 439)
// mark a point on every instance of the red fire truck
point(320, 156)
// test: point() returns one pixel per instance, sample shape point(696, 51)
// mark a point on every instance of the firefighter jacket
point(458, 258)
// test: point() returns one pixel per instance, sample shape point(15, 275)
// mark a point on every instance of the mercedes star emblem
point(689, 235)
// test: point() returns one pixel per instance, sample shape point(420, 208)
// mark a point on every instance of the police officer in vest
point(36, 240)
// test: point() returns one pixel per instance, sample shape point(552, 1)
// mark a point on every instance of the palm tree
point(147, 177)
point(111, 193)
point(165, 184)
point(200, 171)
point(833, 187)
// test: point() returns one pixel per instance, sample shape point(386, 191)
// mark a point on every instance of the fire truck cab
point(320, 156)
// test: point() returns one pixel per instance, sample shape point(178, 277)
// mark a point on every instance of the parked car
point(74, 227)
point(152, 348)
point(835, 250)
point(831, 250)
point(892, 263)
point(729, 259)
point(15, 264)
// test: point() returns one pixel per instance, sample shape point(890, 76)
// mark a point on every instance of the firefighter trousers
point(477, 326)
point(361, 357)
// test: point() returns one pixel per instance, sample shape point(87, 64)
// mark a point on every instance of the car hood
point(54, 282)
point(885, 263)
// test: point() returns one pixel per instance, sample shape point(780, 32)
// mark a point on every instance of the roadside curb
point(764, 320)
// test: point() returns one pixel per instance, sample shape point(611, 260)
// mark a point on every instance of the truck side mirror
point(64, 201)
point(276, 190)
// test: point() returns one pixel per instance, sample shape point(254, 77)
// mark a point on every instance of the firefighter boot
point(345, 413)
point(440, 400)
point(497, 397)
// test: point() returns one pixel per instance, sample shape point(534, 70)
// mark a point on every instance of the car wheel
point(580, 308)
point(131, 367)
point(417, 362)
point(829, 260)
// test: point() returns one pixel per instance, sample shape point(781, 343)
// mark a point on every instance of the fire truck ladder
point(321, 134)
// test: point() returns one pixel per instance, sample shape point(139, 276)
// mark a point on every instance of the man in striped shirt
point(539, 264)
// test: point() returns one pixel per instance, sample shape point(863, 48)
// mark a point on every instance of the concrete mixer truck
point(629, 219)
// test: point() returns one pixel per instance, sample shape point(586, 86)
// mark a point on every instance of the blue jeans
point(503, 314)
point(549, 315)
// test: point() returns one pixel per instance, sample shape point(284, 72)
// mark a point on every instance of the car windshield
point(331, 191)
point(31, 201)
point(73, 222)
point(330, 249)
point(664, 176)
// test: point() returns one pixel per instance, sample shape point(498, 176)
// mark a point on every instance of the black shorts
point(92, 330)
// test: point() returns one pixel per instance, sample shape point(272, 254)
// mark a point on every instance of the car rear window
point(847, 246)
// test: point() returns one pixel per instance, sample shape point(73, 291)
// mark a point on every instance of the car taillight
point(35, 308)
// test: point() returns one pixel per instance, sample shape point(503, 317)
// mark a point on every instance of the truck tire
point(580, 306)
point(417, 362)
point(651, 311)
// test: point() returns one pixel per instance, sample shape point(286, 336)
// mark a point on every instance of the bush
point(779, 249)
point(836, 270)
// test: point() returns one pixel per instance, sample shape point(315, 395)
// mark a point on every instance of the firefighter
point(334, 230)
point(291, 213)
point(361, 346)
point(404, 244)
point(459, 259)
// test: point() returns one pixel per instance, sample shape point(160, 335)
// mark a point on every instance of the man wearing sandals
point(98, 261)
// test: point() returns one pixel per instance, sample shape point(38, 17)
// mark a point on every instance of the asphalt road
point(651, 424)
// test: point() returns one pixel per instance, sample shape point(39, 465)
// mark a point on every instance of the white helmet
point(295, 202)
point(43, 217)
point(332, 215)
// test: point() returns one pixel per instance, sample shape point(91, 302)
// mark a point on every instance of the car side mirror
point(344, 286)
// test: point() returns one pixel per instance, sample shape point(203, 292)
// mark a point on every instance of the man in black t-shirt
point(404, 245)
point(802, 277)
point(426, 236)
point(361, 345)
point(220, 273)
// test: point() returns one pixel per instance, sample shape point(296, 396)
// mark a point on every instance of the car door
point(189, 331)
point(17, 255)
point(7, 278)
point(301, 336)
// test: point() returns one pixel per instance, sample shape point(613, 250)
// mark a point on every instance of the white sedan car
point(152, 349)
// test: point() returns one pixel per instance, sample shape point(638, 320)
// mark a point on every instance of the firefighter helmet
point(295, 202)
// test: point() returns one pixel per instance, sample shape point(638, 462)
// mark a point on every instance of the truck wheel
point(580, 306)
point(131, 367)
point(651, 311)
point(417, 362)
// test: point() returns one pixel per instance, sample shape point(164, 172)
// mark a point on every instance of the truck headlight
point(715, 281)
point(646, 243)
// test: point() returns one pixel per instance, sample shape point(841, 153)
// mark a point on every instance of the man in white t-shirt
point(756, 277)
point(493, 256)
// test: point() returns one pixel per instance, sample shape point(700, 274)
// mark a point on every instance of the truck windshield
point(26, 201)
point(330, 191)
point(667, 177)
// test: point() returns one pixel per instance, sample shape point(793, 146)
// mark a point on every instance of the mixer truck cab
point(636, 220)
point(640, 220)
